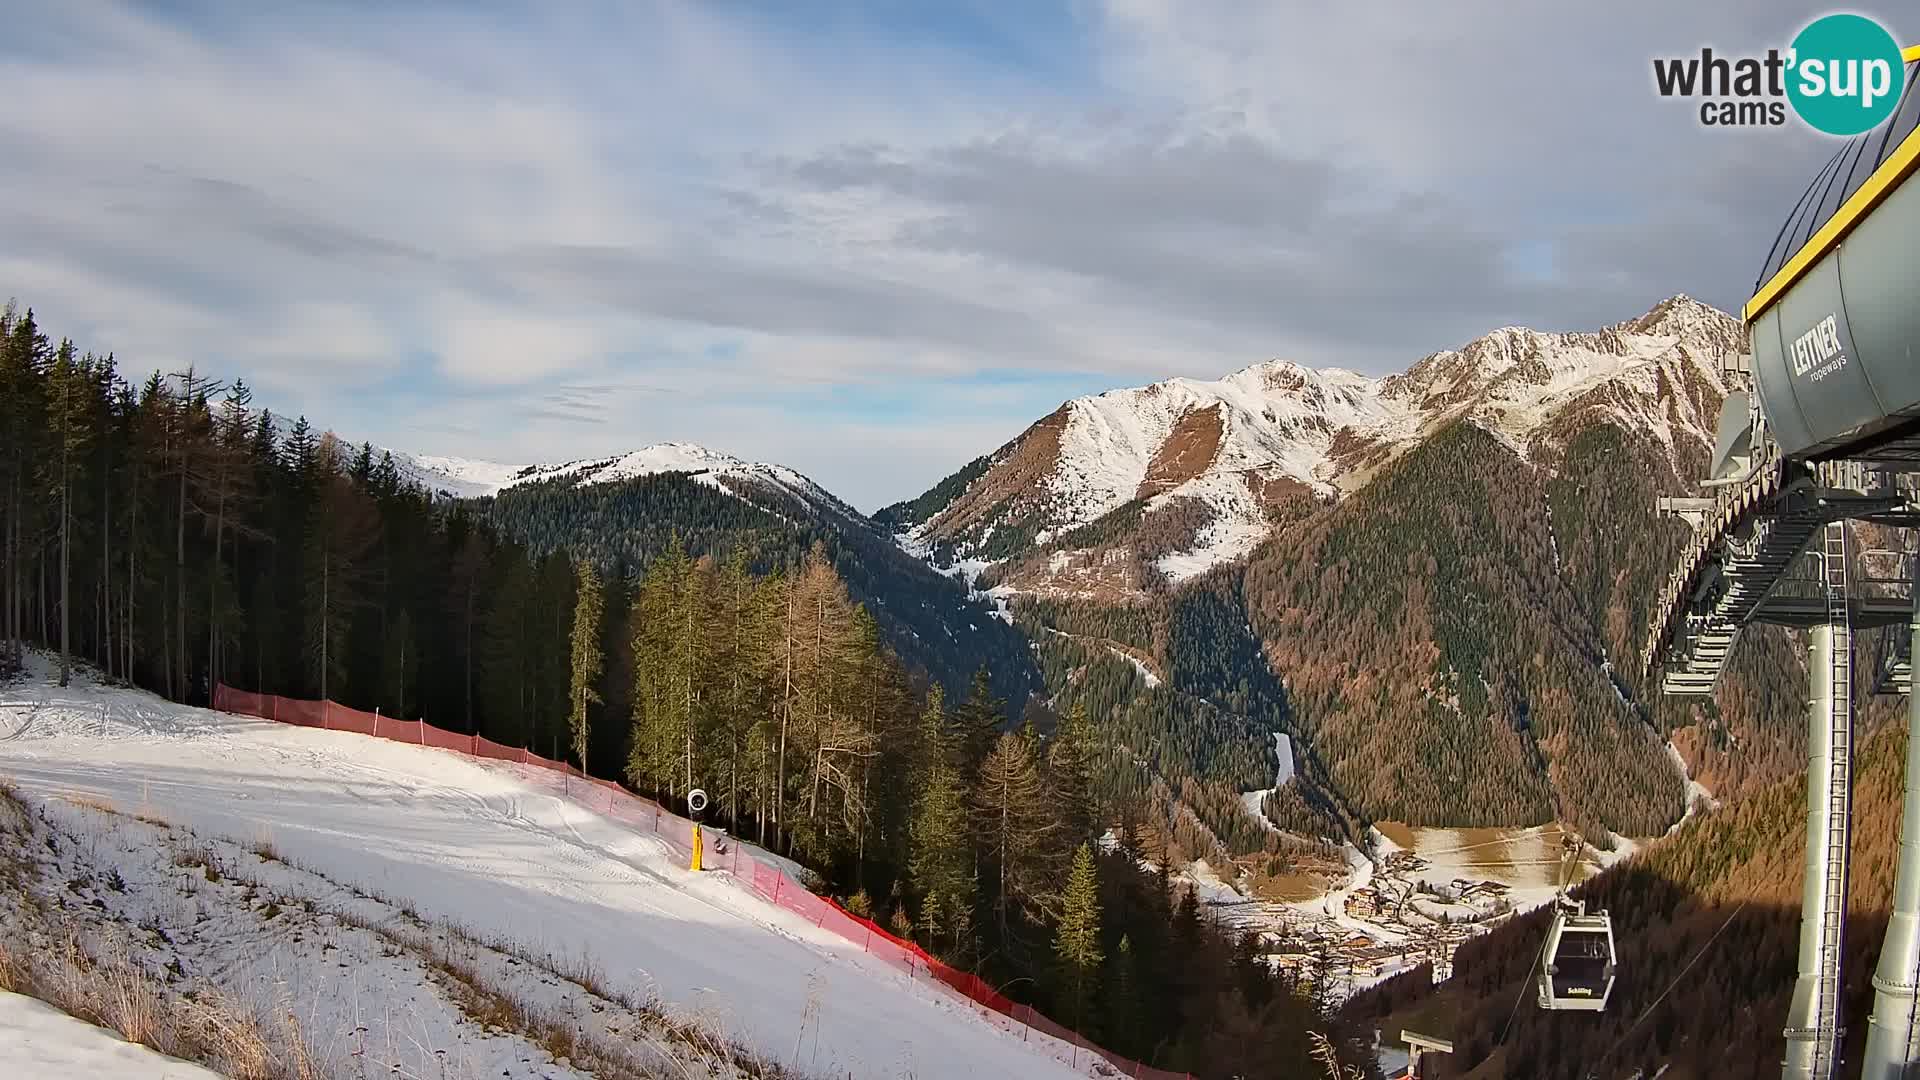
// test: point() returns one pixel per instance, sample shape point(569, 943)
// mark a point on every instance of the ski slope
point(497, 849)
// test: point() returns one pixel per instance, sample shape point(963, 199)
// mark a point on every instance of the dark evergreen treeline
point(175, 537)
point(927, 618)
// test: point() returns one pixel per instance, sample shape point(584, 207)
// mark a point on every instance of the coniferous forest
point(165, 530)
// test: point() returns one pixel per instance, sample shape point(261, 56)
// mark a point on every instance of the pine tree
point(1076, 943)
point(589, 602)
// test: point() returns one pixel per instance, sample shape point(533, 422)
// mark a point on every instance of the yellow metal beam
point(1885, 179)
point(1911, 54)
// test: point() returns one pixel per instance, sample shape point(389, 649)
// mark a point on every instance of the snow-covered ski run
point(497, 850)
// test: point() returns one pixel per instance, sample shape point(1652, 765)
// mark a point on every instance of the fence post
point(326, 717)
point(423, 731)
point(376, 721)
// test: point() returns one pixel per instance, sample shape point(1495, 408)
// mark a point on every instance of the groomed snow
point(38, 1040)
point(499, 850)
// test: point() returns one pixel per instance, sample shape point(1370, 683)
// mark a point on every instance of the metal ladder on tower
point(1839, 797)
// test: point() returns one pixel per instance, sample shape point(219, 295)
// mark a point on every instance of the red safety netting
point(771, 882)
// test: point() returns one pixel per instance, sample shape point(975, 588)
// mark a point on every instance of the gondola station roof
point(1834, 321)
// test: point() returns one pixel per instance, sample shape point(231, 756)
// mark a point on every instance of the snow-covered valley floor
point(350, 868)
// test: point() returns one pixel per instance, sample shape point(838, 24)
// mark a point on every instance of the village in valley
point(1410, 900)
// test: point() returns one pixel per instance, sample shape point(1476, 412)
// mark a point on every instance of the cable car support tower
point(1820, 435)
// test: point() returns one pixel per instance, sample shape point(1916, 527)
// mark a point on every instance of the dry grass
point(263, 847)
point(1324, 1053)
point(103, 985)
point(200, 858)
point(14, 813)
point(90, 802)
point(95, 976)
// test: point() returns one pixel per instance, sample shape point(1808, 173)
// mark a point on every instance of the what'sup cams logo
point(1842, 75)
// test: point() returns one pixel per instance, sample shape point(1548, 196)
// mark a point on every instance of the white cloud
point(429, 222)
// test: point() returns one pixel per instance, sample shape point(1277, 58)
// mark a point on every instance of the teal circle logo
point(1845, 74)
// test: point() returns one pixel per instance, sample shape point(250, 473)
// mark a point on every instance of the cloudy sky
point(867, 239)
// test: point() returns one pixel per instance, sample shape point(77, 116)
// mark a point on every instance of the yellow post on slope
point(696, 847)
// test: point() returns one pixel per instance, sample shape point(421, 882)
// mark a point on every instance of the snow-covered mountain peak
point(468, 478)
point(1684, 319)
point(1238, 443)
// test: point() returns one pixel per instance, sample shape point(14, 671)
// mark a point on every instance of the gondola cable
point(1525, 983)
point(1560, 892)
point(1648, 1011)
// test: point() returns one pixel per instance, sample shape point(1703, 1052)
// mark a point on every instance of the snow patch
point(1146, 675)
point(37, 1039)
point(1698, 796)
point(1254, 800)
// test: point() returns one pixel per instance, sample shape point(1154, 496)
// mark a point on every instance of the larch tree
point(1015, 829)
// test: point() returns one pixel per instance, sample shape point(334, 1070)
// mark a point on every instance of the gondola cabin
point(1578, 969)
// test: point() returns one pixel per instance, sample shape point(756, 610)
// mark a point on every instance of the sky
point(869, 240)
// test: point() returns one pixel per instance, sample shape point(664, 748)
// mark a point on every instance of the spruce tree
point(1124, 1017)
point(1076, 943)
point(341, 529)
point(69, 423)
point(589, 602)
point(979, 720)
point(1070, 776)
point(941, 863)
point(400, 660)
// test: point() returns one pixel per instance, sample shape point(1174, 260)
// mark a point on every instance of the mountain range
point(1429, 581)
point(1213, 461)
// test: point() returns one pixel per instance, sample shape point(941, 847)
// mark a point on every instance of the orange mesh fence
point(446, 740)
point(766, 879)
point(341, 718)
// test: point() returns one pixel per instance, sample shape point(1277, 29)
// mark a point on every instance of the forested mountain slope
point(624, 510)
point(1435, 589)
point(624, 522)
point(1737, 868)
